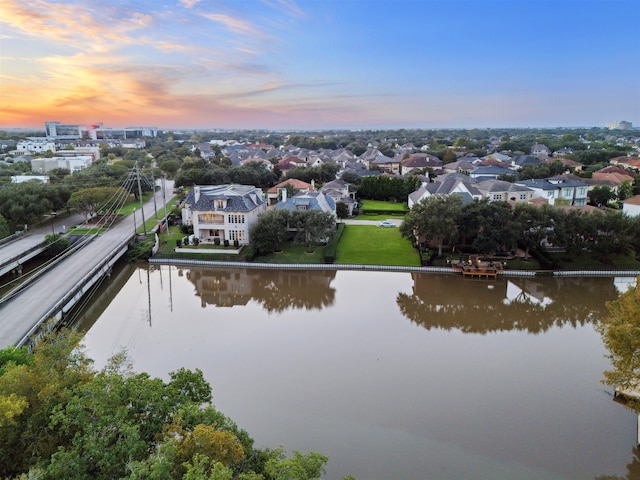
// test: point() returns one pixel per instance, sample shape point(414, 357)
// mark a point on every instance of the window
point(236, 235)
point(550, 194)
point(567, 193)
point(582, 191)
point(523, 196)
point(234, 218)
point(219, 204)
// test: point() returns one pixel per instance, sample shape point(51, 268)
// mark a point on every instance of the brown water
point(392, 375)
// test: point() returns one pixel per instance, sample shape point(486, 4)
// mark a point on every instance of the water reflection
point(275, 290)
point(633, 469)
point(530, 304)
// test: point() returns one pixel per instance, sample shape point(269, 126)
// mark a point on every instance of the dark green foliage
point(331, 250)
point(56, 244)
point(63, 420)
point(388, 188)
point(140, 250)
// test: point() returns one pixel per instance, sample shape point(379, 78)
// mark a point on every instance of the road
point(18, 315)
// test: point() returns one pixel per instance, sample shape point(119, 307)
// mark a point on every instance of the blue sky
point(320, 64)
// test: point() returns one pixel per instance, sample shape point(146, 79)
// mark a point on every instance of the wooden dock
point(476, 268)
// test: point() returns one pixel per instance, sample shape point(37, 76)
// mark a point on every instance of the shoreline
point(389, 268)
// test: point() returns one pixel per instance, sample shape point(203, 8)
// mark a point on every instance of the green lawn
point(380, 205)
point(294, 254)
point(373, 245)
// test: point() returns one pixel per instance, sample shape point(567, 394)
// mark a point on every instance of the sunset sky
point(287, 64)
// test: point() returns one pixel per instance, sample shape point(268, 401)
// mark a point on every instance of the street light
point(53, 216)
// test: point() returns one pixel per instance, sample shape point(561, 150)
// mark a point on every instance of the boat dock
point(477, 268)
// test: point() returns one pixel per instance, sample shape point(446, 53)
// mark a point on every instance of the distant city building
point(622, 125)
point(60, 131)
point(73, 164)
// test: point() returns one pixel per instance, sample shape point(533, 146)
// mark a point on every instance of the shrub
point(236, 243)
point(226, 242)
point(196, 241)
point(331, 249)
point(216, 241)
point(179, 242)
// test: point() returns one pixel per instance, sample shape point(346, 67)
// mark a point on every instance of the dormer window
point(220, 204)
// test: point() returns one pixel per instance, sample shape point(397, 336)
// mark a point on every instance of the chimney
point(196, 193)
point(284, 194)
point(313, 184)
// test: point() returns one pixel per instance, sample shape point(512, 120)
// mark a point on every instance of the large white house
point(223, 211)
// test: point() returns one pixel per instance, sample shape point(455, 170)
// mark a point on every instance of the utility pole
point(164, 202)
point(144, 225)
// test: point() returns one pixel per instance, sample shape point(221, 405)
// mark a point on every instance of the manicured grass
point(377, 216)
point(380, 205)
point(85, 231)
point(294, 254)
point(373, 245)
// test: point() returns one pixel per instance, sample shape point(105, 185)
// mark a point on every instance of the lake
point(391, 375)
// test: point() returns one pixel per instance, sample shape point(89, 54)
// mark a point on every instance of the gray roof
point(239, 198)
point(501, 186)
point(311, 200)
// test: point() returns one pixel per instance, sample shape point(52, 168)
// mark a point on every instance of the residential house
point(419, 161)
point(307, 201)
point(631, 206)
point(291, 162)
point(630, 163)
point(339, 191)
point(491, 171)
point(558, 190)
point(463, 165)
point(226, 212)
point(570, 165)
point(561, 152)
point(386, 164)
point(500, 190)
point(275, 193)
point(451, 184)
point(520, 161)
point(540, 150)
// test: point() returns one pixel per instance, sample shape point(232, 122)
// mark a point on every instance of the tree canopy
point(61, 419)
point(620, 332)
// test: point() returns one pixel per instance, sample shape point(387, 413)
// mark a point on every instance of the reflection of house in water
point(223, 288)
point(275, 290)
point(532, 304)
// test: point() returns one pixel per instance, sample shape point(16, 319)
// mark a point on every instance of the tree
point(170, 166)
point(342, 210)
point(625, 190)
point(620, 332)
point(270, 231)
point(4, 227)
point(312, 227)
point(89, 200)
point(601, 195)
point(56, 244)
point(300, 466)
point(433, 219)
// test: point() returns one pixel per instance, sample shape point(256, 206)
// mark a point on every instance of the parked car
point(387, 224)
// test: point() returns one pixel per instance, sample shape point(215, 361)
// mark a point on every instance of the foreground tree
point(60, 419)
point(434, 219)
point(620, 332)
